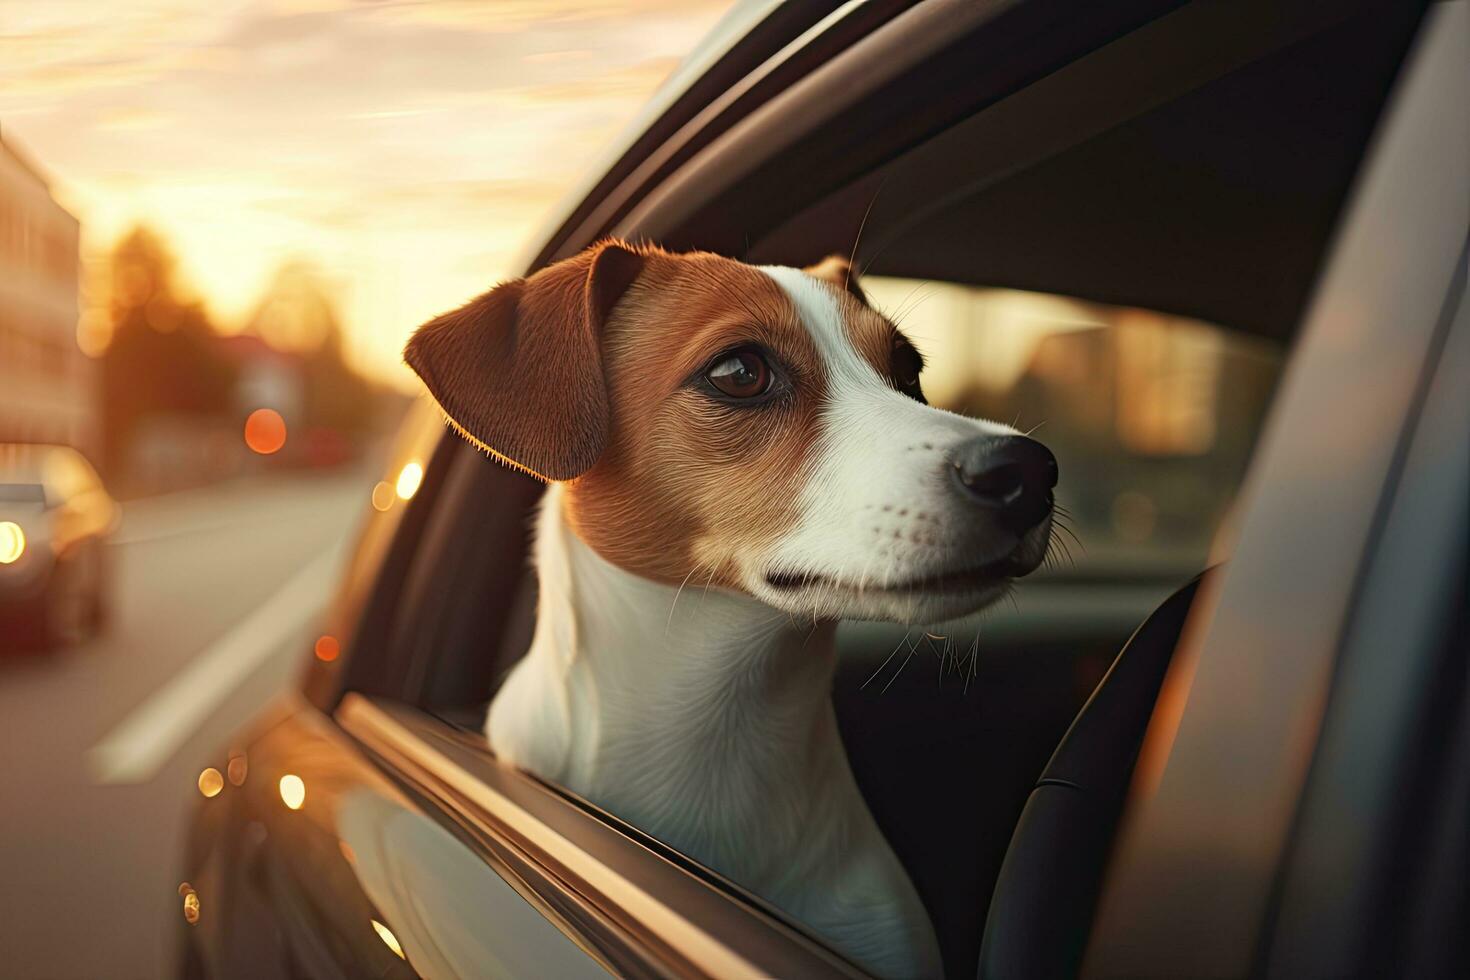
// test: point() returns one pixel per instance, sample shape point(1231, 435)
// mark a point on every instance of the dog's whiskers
point(668, 624)
point(885, 663)
point(905, 308)
point(974, 661)
point(901, 666)
point(857, 239)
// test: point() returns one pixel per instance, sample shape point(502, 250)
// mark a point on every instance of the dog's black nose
point(1011, 475)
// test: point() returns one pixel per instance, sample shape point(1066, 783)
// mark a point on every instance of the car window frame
point(360, 614)
point(1070, 64)
point(403, 738)
point(900, 42)
point(1399, 685)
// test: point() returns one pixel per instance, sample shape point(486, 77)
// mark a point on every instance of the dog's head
point(757, 429)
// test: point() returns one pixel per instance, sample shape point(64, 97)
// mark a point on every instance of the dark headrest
point(1047, 889)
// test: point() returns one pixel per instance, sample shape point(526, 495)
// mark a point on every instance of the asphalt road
point(101, 746)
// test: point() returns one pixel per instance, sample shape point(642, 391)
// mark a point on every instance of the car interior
point(1134, 292)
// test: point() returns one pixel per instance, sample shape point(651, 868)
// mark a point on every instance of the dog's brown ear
point(519, 370)
point(837, 270)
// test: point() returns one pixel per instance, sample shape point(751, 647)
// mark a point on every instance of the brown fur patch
point(871, 335)
point(686, 484)
point(838, 271)
point(518, 371)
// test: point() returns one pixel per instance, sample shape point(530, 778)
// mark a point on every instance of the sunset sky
point(407, 148)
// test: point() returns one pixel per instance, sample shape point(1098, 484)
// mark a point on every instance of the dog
point(738, 457)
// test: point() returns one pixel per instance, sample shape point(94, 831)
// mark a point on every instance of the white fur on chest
point(704, 718)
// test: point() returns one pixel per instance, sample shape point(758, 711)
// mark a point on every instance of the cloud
point(133, 119)
point(408, 147)
point(509, 16)
point(65, 45)
point(623, 84)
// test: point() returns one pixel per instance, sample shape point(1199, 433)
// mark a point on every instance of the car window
point(1099, 296)
point(1152, 417)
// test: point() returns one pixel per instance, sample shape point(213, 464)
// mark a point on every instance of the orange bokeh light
point(382, 495)
point(265, 431)
point(211, 782)
point(409, 479)
point(327, 648)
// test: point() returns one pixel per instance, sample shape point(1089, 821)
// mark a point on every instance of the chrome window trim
point(632, 914)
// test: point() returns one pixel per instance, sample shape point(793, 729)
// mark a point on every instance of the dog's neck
point(696, 714)
point(704, 718)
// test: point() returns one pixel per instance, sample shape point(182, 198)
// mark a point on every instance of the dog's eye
point(906, 365)
point(743, 374)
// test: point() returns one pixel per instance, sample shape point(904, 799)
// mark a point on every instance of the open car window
point(1101, 292)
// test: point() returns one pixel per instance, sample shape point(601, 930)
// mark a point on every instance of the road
point(103, 744)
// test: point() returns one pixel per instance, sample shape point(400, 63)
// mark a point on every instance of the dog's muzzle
point(1010, 476)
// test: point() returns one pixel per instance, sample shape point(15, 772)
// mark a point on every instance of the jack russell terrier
point(738, 456)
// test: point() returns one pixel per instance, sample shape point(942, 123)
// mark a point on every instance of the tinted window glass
point(1152, 417)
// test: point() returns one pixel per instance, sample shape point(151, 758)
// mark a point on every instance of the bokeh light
point(383, 495)
point(191, 902)
point(211, 782)
point(327, 648)
point(265, 431)
point(389, 940)
point(293, 791)
point(409, 479)
point(238, 768)
point(12, 542)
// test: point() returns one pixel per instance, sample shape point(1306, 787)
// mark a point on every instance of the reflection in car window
point(1152, 417)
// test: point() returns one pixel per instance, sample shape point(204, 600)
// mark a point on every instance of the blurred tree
point(164, 357)
point(298, 315)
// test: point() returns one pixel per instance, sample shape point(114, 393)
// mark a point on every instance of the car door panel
point(358, 880)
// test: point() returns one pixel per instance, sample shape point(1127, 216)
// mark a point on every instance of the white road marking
point(148, 737)
point(124, 537)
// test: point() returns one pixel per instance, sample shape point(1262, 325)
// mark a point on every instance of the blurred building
point(1153, 416)
point(48, 390)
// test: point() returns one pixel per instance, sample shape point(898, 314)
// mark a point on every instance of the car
point(1219, 251)
point(55, 518)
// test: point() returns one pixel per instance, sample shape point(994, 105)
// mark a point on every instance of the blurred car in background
point(55, 517)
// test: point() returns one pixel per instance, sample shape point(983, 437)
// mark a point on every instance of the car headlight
point(12, 542)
